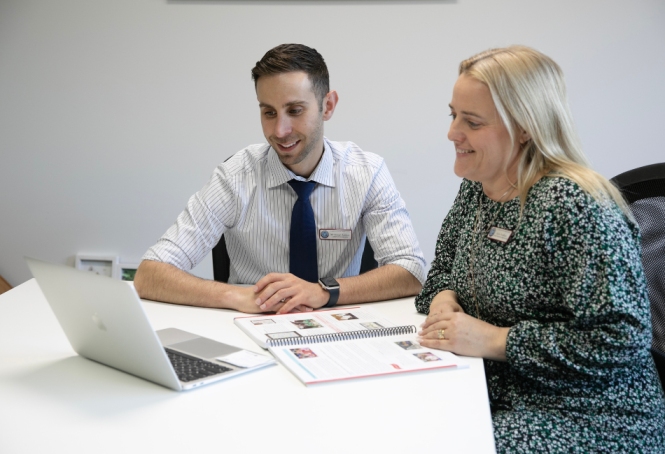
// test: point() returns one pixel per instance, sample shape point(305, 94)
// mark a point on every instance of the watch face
point(329, 282)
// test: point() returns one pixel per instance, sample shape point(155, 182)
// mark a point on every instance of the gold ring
point(442, 333)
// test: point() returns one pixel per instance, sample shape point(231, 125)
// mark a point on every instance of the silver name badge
point(335, 234)
point(499, 234)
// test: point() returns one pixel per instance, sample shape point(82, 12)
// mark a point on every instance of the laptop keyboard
point(188, 368)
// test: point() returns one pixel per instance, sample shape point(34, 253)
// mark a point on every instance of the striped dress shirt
point(249, 200)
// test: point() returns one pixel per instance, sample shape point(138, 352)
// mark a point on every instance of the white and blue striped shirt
point(249, 200)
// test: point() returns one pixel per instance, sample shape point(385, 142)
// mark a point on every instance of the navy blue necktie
point(302, 255)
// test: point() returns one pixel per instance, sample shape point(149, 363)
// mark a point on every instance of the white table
point(52, 400)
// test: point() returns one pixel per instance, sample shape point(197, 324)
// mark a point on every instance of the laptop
point(104, 321)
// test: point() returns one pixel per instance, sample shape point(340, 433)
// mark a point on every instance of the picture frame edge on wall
point(102, 264)
point(119, 271)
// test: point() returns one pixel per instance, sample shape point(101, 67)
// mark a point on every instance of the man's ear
point(329, 104)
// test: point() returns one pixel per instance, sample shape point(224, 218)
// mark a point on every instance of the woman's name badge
point(499, 234)
point(335, 234)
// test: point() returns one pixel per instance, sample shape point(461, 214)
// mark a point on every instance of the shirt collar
point(279, 174)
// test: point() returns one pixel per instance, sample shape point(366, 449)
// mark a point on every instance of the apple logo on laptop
point(98, 321)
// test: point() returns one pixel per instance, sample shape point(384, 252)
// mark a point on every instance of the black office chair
point(644, 189)
point(221, 263)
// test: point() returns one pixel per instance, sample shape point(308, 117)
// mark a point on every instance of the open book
point(337, 344)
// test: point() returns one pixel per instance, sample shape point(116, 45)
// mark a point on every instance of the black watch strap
point(334, 295)
point(333, 291)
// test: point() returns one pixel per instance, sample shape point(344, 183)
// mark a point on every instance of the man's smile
point(287, 146)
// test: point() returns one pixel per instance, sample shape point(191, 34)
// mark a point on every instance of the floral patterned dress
point(579, 376)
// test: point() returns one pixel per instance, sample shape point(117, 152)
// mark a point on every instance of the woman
point(538, 270)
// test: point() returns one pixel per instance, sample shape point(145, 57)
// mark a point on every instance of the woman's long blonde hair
point(530, 95)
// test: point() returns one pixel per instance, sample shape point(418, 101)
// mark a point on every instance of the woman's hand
point(445, 301)
point(452, 330)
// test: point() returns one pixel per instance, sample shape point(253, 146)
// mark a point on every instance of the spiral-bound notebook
point(353, 342)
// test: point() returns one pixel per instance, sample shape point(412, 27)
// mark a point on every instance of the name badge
point(499, 234)
point(335, 234)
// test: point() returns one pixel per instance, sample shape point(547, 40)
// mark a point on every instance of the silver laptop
point(104, 321)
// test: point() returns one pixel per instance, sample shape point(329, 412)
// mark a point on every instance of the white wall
point(113, 112)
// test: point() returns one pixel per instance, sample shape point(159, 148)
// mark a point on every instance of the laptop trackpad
point(204, 348)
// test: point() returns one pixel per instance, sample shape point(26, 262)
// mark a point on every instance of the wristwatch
point(332, 286)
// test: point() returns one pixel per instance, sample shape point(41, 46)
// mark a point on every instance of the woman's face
point(484, 151)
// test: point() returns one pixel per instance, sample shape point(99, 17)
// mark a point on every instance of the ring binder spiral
point(348, 335)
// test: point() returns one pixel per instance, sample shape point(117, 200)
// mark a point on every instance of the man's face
point(292, 119)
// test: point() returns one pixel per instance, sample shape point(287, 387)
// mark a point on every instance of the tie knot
point(303, 188)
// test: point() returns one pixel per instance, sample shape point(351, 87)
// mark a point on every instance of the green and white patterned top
point(579, 376)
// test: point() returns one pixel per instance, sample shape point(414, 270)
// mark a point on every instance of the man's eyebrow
point(295, 103)
point(288, 104)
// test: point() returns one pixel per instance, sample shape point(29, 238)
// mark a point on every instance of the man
point(278, 240)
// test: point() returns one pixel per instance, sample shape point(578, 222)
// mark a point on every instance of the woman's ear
point(524, 137)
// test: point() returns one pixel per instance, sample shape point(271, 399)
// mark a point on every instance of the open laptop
point(104, 321)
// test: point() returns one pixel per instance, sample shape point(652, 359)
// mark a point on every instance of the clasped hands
point(283, 293)
point(448, 328)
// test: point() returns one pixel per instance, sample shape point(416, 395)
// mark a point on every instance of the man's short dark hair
point(287, 58)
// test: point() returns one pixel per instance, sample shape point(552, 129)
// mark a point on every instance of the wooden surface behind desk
point(52, 400)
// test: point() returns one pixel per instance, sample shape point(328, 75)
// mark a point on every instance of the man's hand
point(244, 299)
point(163, 282)
point(283, 293)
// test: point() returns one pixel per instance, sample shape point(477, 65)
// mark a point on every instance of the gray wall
point(112, 113)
